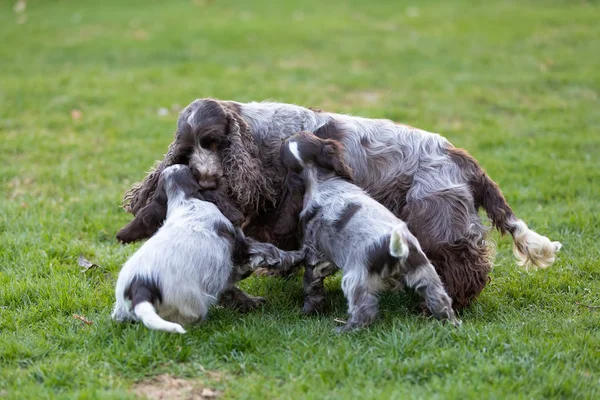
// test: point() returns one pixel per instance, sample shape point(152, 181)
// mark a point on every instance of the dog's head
point(177, 180)
point(304, 148)
point(215, 142)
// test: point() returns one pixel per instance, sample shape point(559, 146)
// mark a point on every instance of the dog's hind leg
point(421, 276)
point(450, 232)
point(363, 305)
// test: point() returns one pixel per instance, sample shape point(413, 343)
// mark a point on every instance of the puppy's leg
point(316, 270)
point(422, 277)
point(266, 255)
point(363, 305)
point(236, 298)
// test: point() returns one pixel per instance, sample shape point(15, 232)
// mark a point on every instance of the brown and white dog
point(419, 176)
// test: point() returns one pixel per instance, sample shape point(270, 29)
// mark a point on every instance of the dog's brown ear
point(202, 112)
point(249, 182)
point(331, 157)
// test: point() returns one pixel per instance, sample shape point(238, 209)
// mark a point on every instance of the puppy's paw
point(251, 303)
point(314, 306)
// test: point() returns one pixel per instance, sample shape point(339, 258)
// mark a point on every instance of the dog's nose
point(207, 184)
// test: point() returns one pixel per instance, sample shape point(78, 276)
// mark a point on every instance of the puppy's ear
point(289, 207)
point(331, 156)
point(148, 219)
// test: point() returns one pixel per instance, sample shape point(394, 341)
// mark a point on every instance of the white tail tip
point(147, 314)
point(398, 245)
point(532, 248)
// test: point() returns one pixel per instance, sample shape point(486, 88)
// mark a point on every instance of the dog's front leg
point(316, 269)
point(266, 255)
point(236, 298)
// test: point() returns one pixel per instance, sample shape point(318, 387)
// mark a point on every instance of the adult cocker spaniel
point(419, 176)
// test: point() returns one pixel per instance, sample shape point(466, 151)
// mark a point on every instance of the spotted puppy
point(194, 259)
point(345, 228)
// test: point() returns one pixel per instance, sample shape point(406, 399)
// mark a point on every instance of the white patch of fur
point(398, 246)
point(532, 248)
point(189, 260)
point(293, 146)
point(207, 164)
point(190, 118)
point(147, 314)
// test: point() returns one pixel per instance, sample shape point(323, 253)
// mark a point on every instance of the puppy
point(345, 228)
point(193, 259)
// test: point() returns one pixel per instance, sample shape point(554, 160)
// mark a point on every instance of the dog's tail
point(398, 245)
point(529, 247)
point(143, 293)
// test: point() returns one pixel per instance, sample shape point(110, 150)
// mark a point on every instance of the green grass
point(514, 82)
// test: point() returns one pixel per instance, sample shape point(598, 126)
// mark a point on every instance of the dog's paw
point(312, 307)
point(250, 304)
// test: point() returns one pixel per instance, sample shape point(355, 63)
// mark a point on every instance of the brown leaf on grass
point(166, 386)
point(82, 319)
point(76, 114)
point(85, 264)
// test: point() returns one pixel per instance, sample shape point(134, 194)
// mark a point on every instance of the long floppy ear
point(220, 199)
point(331, 157)
point(141, 193)
point(249, 183)
point(288, 210)
point(147, 220)
point(204, 112)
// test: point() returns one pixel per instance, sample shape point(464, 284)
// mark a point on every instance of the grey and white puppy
point(192, 261)
point(343, 226)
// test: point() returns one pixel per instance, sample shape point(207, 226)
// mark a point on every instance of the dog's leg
point(316, 270)
point(422, 277)
point(236, 298)
point(363, 305)
point(453, 237)
point(266, 255)
point(314, 292)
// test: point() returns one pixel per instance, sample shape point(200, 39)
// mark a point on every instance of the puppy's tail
point(143, 294)
point(146, 312)
point(398, 244)
point(529, 247)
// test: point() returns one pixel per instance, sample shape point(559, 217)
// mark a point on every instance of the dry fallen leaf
point(76, 114)
point(87, 265)
point(83, 319)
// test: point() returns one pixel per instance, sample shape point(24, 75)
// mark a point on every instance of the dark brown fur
point(486, 192)
point(151, 217)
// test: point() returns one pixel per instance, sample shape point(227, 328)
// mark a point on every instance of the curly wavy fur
point(247, 181)
point(410, 171)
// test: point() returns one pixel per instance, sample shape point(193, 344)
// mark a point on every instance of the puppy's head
point(304, 148)
point(176, 180)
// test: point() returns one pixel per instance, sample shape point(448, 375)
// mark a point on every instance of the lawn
point(89, 97)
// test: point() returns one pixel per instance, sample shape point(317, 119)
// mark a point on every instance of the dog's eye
point(209, 143)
